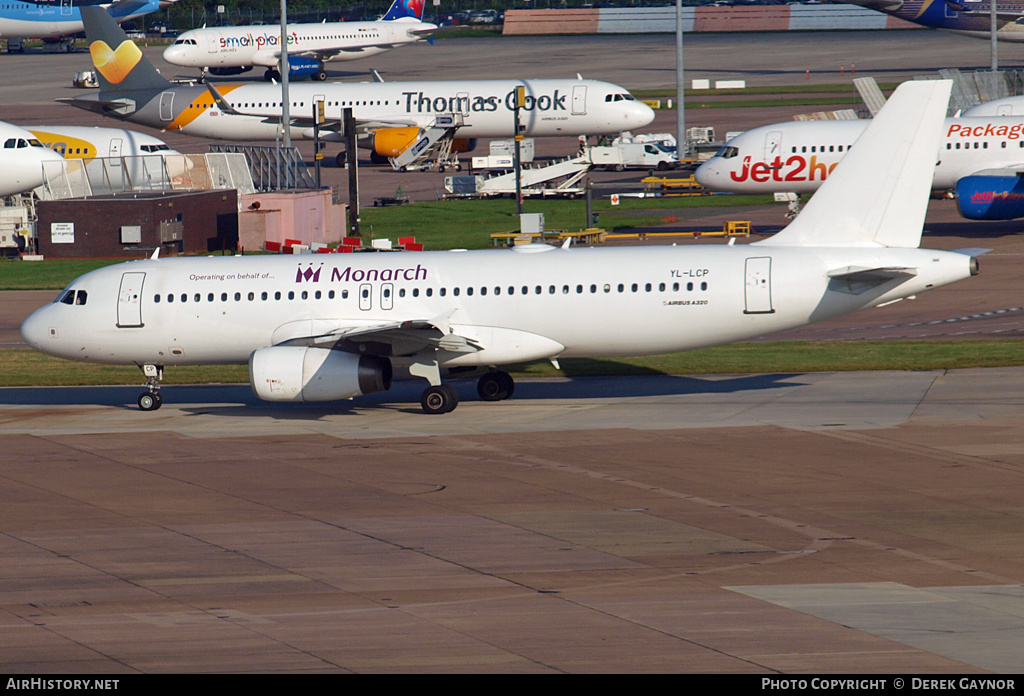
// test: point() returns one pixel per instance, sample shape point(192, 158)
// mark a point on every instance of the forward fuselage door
point(758, 289)
point(579, 99)
point(772, 145)
point(129, 300)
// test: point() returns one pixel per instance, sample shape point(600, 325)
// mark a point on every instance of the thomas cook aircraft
point(980, 158)
point(235, 50)
point(320, 329)
point(394, 113)
point(82, 142)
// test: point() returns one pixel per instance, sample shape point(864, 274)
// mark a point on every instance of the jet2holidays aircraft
point(978, 157)
point(394, 113)
point(321, 330)
point(234, 50)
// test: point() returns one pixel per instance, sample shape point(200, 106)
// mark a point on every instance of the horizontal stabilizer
point(880, 274)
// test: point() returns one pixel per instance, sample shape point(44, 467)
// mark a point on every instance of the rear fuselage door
point(758, 288)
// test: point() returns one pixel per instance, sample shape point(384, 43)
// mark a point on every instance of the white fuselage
point(553, 107)
point(22, 158)
point(243, 47)
point(521, 304)
point(798, 156)
point(26, 20)
point(78, 142)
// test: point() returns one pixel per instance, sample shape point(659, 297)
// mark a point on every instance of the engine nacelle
point(990, 197)
point(463, 144)
point(300, 373)
point(302, 66)
point(391, 142)
point(230, 71)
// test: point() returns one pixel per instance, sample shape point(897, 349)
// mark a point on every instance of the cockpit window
point(619, 97)
point(73, 297)
point(727, 152)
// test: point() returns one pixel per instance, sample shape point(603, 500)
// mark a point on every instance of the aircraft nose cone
point(642, 115)
point(705, 174)
point(172, 54)
point(35, 331)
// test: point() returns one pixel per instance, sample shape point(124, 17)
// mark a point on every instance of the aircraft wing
point(400, 338)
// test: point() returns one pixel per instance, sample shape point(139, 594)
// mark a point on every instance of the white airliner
point(978, 157)
point(234, 50)
point(22, 158)
point(20, 19)
point(326, 327)
point(83, 142)
point(394, 112)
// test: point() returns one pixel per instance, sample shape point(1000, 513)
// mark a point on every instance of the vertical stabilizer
point(878, 193)
point(120, 65)
point(404, 8)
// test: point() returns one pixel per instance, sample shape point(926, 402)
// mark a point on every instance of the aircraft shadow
point(238, 399)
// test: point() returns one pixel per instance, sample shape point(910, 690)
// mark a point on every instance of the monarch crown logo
point(308, 274)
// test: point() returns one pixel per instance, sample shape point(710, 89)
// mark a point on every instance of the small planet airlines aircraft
point(393, 112)
point(325, 327)
point(235, 50)
point(22, 158)
point(980, 158)
point(19, 19)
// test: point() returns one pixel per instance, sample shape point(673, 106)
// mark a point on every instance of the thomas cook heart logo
point(115, 65)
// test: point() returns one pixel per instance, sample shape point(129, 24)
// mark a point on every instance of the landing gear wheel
point(320, 76)
point(439, 399)
point(341, 159)
point(150, 401)
point(495, 386)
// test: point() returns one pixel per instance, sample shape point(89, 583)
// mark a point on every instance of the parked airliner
point(20, 19)
point(332, 326)
point(235, 50)
point(394, 112)
point(979, 158)
point(83, 142)
point(967, 17)
point(22, 158)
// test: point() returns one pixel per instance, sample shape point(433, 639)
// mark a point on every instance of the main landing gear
point(151, 400)
point(441, 397)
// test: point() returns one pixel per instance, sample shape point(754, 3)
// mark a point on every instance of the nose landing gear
point(151, 400)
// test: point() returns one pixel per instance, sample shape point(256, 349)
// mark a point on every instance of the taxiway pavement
point(812, 523)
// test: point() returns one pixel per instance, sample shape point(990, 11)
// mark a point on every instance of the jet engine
point(230, 71)
point(391, 142)
point(987, 197)
point(302, 66)
point(301, 373)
